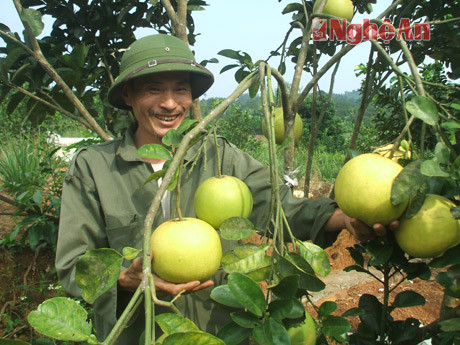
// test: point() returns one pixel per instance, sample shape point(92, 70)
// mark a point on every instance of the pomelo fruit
point(304, 333)
point(431, 231)
point(363, 189)
point(279, 126)
point(219, 198)
point(185, 250)
point(337, 8)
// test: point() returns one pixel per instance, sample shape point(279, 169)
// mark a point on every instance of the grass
point(325, 164)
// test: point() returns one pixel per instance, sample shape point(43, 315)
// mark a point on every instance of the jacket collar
point(128, 150)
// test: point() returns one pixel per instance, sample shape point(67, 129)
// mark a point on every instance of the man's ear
point(126, 94)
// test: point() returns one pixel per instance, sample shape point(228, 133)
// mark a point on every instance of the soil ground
point(27, 278)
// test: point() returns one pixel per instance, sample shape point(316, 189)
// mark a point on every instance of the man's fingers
point(379, 230)
point(394, 225)
point(204, 285)
point(137, 264)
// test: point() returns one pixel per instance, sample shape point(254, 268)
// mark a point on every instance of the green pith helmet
point(159, 53)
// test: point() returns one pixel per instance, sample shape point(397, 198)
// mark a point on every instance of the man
point(105, 200)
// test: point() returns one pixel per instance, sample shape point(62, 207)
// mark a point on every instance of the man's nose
point(168, 101)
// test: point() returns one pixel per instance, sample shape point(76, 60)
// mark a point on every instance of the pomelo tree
point(47, 74)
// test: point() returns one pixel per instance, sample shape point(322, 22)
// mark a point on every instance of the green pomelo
point(304, 333)
point(279, 126)
point(431, 231)
point(337, 8)
point(185, 250)
point(363, 189)
point(220, 198)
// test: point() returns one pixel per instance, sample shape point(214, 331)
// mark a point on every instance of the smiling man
point(105, 199)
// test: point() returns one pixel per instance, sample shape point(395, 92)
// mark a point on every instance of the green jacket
point(105, 202)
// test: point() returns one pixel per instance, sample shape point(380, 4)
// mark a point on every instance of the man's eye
point(154, 89)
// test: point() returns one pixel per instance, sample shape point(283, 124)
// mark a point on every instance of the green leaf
point(195, 338)
point(353, 312)
point(275, 332)
point(287, 287)
point(12, 57)
point(424, 109)
point(356, 255)
point(156, 175)
point(78, 55)
point(248, 258)
point(247, 292)
point(228, 67)
point(61, 318)
point(34, 19)
point(292, 8)
point(451, 125)
point(455, 106)
point(442, 153)
point(408, 299)
point(130, 253)
point(380, 252)
point(223, 295)
point(230, 53)
point(335, 326)
point(254, 89)
point(236, 228)
point(97, 271)
point(316, 257)
point(172, 138)
point(171, 323)
point(408, 182)
point(245, 319)
point(294, 264)
point(450, 325)
point(327, 308)
point(185, 125)
point(37, 197)
point(433, 169)
point(154, 151)
point(290, 308)
point(414, 205)
point(233, 334)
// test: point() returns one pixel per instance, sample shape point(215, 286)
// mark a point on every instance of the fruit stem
point(219, 169)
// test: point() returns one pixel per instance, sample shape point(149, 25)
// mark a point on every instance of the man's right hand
point(130, 279)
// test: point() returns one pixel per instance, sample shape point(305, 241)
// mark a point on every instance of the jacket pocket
point(124, 230)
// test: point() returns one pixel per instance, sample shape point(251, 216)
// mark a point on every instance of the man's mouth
point(166, 118)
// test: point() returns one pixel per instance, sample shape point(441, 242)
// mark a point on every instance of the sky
point(253, 26)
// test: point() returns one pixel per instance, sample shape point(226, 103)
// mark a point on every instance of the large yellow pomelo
point(431, 231)
point(304, 333)
point(337, 8)
point(279, 126)
point(220, 198)
point(185, 250)
point(363, 189)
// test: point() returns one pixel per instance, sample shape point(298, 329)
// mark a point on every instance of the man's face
point(159, 102)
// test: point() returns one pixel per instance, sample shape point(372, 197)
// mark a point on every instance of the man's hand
point(130, 279)
point(360, 230)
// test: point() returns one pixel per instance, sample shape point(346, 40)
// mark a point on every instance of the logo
point(339, 30)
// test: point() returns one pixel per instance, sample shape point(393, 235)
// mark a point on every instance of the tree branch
point(38, 55)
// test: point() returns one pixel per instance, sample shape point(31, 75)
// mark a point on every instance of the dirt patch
point(346, 288)
point(27, 278)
